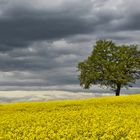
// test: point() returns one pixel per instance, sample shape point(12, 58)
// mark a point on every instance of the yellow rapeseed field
point(105, 118)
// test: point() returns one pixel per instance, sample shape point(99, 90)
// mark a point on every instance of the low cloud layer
point(41, 41)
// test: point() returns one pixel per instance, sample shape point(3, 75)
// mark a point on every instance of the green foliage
point(111, 65)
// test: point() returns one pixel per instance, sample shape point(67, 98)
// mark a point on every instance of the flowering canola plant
point(105, 118)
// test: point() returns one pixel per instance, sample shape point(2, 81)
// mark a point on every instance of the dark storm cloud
point(42, 41)
point(21, 24)
point(40, 56)
point(131, 23)
point(19, 32)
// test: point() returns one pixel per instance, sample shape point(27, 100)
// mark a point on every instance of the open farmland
point(104, 118)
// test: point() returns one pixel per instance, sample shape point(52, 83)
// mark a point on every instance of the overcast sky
point(42, 41)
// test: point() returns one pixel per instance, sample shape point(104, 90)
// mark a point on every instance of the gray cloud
point(23, 22)
point(41, 41)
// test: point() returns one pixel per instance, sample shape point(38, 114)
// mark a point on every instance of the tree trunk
point(118, 89)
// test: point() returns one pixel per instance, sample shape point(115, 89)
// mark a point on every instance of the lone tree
point(112, 65)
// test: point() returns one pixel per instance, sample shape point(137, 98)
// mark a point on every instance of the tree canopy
point(111, 65)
